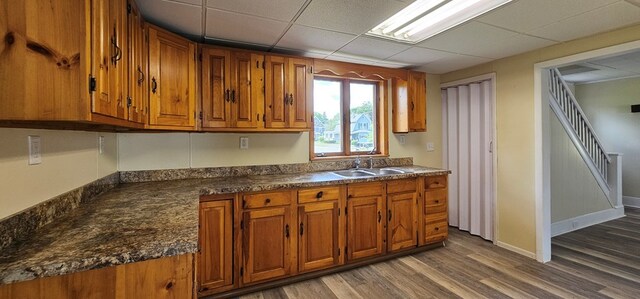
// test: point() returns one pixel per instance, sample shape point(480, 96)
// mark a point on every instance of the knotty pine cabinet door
point(172, 73)
point(319, 235)
point(216, 88)
point(110, 58)
point(246, 72)
point(137, 73)
point(417, 97)
point(268, 244)
point(215, 258)
point(402, 220)
point(288, 92)
point(365, 227)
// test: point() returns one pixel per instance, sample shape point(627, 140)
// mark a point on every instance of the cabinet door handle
point(286, 231)
point(154, 85)
point(301, 228)
point(413, 106)
point(140, 76)
point(233, 96)
point(319, 195)
point(286, 99)
point(291, 99)
point(389, 215)
point(379, 216)
point(226, 95)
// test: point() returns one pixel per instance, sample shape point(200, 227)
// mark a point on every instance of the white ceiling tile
point(452, 63)
point(419, 56)
point(525, 15)
point(394, 65)
point(472, 38)
point(373, 47)
point(175, 16)
point(351, 59)
point(283, 10)
point(314, 39)
point(353, 16)
point(243, 28)
point(606, 18)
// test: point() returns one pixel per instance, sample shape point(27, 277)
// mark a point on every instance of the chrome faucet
point(370, 162)
point(357, 162)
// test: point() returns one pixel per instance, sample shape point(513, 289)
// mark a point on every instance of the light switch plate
point(401, 139)
point(244, 143)
point(35, 148)
point(101, 144)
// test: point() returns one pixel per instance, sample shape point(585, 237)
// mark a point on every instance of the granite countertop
point(141, 221)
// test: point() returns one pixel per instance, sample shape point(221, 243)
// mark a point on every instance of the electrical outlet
point(101, 144)
point(244, 143)
point(35, 148)
point(430, 147)
point(401, 139)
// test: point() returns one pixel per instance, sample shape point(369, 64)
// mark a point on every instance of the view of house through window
point(331, 99)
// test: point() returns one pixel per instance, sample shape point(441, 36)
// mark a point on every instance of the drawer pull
point(319, 195)
point(267, 201)
point(437, 228)
point(437, 201)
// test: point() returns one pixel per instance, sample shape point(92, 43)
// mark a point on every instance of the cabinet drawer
point(435, 182)
point(435, 201)
point(365, 189)
point(319, 194)
point(267, 199)
point(398, 186)
point(436, 227)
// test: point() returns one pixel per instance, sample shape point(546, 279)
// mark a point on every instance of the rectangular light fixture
point(425, 18)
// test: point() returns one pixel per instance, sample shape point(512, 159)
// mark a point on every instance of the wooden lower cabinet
point(319, 229)
point(402, 220)
point(216, 245)
point(168, 277)
point(435, 211)
point(268, 243)
point(365, 220)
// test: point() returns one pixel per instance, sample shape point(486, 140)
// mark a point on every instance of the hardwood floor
point(602, 261)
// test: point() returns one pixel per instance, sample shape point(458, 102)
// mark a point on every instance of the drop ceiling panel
point(304, 53)
point(351, 59)
point(314, 39)
point(525, 15)
point(283, 10)
point(419, 56)
point(176, 16)
point(373, 47)
point(612, 16)
point(243, 28)
point(353, 17)
point(452, 63)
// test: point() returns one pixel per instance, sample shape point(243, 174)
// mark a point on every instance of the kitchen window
point(346, 117)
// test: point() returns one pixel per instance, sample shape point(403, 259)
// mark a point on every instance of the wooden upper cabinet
point(417, 96)
point(268, 243)
point(319, 235)
point(215, 258)
point(365, 221)
point(288, 92)
point(138, 51)
point(216, 88)
point(232, 88)
point(409, 102)
point(172, 101)
point(110, 58)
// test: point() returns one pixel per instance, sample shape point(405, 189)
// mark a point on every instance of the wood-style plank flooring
point(602, 261)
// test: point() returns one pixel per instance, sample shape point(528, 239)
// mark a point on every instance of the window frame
point(380, 114)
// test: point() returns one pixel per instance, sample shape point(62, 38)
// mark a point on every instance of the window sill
point(332, 158)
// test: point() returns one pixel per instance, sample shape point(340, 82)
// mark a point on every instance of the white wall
point(608, 108)
point(70, 159)
point(148, 151)
point(574, 190)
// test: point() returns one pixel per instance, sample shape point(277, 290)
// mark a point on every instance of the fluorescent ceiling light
point(426, 18)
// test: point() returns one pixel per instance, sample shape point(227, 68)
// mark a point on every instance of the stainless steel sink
point(383, 171)
point(352, 173)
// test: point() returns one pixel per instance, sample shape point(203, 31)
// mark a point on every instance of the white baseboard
point(517, 250)
point(569, 225)
point(629, 201)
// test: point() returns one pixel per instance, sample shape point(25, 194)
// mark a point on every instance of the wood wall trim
point(357, 71)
